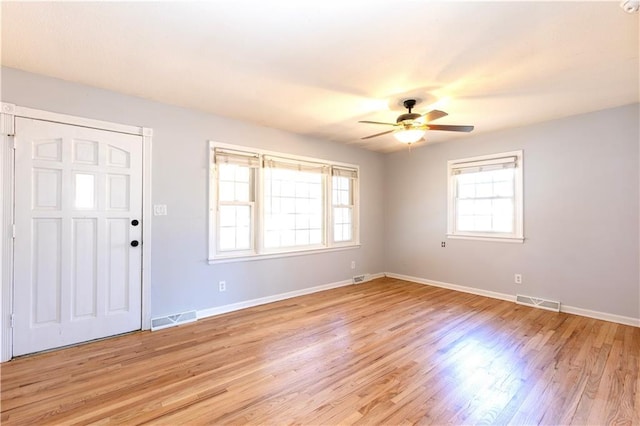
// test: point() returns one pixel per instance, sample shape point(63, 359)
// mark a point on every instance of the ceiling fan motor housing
point(408, 104)
point(408, 116)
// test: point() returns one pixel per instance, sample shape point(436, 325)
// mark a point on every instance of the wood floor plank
point(383, 352)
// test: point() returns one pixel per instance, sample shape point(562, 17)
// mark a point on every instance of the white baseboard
point(600, 315)
point(218, 310)
point(464, 289)
point(511, 298)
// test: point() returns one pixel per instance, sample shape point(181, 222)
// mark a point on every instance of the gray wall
point(181, 278)
point(581, 195)
point(581, 206)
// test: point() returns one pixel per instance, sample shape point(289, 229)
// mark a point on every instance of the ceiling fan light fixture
point(409, 136)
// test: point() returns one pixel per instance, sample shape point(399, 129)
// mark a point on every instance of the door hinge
point(12, 320)
point(13, 231)
point(15, 143)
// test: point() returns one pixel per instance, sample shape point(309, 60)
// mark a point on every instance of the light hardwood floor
point(383, 352)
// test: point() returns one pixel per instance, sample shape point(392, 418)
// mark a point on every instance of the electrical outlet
point(443, 244)
point(517, 278)
point(353, 264)
point(222, 286)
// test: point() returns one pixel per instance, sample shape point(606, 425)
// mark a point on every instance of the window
point(342, 203)
point(485, 197)
point(293, 202)
point(267, 204)
point(236, 205)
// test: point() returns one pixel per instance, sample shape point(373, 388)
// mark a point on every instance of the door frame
point(8, 114)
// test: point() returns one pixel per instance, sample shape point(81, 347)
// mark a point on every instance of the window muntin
point(265, 204)
point(485, 197)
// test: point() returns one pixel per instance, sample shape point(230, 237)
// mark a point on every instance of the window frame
point(517, 236)
point(258, 250)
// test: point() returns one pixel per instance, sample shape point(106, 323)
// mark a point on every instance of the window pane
point(302, 205)
point(483, 177)
point(299, 215)
point(235, 228)
point(302, 237)
point(302, 189)
point(242, 174)
point(287, 238)
point(503, 189)
point(234, 183)
point(503, 207)
point(342, 224)
point(272, 239)
point(484, 190)
point(227, 191)
point(465, 223)
point(302, 221)
point(315, 191)
point(226, 172)
point(485, 201)
point(466, 179)
point(243, 238)
point(504, 175)
point(466, 191)
point(288, 189)
point(344, 198)
point(242, 191)
point(503, 223)
point(227, 239)
point(315, 221)
point(482, 223)
point(482, 207)
point(337, 215)
point(342, 212)
point(465, 207)
point(227, 216)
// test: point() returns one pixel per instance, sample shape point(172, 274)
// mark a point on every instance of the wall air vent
point(173, 320)
point(549, 305)
point(359, 279)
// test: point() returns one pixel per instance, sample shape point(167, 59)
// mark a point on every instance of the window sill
point(252, 257)
point(517, 240)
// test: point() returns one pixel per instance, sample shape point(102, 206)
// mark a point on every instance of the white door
point(78, 210)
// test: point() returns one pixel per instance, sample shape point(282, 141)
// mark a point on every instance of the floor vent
point(173, 320)
point(549, 305)
point(359, 279)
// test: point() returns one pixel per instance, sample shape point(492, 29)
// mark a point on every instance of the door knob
point(134, 243)
point(134, 222)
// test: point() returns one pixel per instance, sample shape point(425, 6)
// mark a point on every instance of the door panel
point(77, 276)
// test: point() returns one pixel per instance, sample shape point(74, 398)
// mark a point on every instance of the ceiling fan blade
point(450, 128)
point(434, 115)
point(377, 134)
point(377, 122)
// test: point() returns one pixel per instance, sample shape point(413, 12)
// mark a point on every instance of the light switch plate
point(159, 209)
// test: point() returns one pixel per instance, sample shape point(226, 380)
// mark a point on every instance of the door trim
point(8, 113)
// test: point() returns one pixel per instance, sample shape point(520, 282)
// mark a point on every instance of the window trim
point(258, 251)
point(518, 235)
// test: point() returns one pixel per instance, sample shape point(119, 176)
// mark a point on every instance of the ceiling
point(316, 67)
